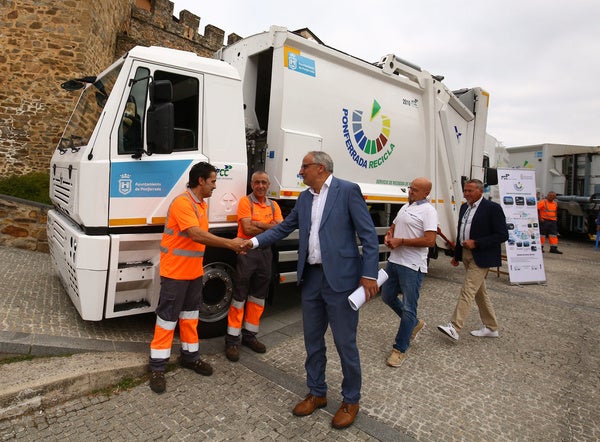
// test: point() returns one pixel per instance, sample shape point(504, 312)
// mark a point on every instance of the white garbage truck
point(262, 103)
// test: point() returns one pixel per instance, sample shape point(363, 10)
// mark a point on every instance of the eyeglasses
point(306, 166)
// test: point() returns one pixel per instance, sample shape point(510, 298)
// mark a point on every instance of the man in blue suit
point(329, 216)
point(481, 232)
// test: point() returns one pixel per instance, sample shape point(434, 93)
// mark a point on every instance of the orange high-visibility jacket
point(249, 207)
point(547, 210)
point(180, 256)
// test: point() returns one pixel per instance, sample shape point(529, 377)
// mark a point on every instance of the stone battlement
point(45, 43)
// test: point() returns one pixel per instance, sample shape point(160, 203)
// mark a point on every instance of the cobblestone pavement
point(539, 381)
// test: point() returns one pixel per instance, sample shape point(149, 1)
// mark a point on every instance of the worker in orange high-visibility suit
point(181, 259)
point(256, 213)
point(547, 213)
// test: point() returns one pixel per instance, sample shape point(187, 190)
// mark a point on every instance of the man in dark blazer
point(481, 232)
point(329, 216)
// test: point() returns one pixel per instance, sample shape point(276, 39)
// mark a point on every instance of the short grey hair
point(257, 173)
point(320, 157)
point(477, 183)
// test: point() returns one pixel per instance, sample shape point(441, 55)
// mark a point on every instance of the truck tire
point(217, 292)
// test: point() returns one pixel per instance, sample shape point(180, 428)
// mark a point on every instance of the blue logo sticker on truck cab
point(145, 179)
point(303, 65)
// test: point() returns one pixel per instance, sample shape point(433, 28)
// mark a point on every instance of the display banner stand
point(523, 248)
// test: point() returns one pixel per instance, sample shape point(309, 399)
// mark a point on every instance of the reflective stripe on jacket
point(180, 256)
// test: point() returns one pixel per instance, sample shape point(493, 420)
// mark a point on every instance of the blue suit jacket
point(489, 231)
point(344, 216)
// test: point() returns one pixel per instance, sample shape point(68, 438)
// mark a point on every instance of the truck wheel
point(217, 292)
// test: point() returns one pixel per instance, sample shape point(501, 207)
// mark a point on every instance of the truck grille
point(63, 249)
point(61, 189)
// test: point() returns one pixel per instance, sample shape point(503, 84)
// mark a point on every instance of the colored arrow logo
point(375, 109)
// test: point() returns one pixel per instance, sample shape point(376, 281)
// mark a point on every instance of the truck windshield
point(88, 111)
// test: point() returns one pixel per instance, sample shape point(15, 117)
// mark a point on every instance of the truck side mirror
point(491, 176)
point(160, 123)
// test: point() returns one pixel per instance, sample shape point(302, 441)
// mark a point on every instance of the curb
point(68, 368)
point(37, 384)
point(48, 345)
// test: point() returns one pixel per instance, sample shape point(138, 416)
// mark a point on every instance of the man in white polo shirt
point(411, 234)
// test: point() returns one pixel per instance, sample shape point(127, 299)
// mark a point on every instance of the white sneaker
point(485, 332)
point(449, 330)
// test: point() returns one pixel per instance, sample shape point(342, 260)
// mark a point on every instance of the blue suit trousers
point(322, 306)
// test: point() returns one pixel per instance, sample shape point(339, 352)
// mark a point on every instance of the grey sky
point(538, 59)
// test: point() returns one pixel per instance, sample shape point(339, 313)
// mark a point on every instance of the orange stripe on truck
point(159, 220)
point(126, 221)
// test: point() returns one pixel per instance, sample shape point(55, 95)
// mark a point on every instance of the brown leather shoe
point(345, 416)
point(309, 404)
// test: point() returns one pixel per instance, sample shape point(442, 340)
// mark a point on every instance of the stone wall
point(23, 224)
point(46, 42)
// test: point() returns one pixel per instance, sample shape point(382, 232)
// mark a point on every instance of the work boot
point(254, 344)
point(198, 366)
point(554, 249)
point(232, 352)
point(157, 381)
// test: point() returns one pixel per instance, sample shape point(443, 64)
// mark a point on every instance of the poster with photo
point(523, 248)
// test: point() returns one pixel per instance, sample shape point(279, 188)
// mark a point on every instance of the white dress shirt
point(467, 219)
point(316, 214)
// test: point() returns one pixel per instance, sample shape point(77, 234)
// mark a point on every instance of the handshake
point(240, 245)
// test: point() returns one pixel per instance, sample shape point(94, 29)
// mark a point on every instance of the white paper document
point(357, 298)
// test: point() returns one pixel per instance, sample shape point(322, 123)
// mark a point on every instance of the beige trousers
point(474, 289)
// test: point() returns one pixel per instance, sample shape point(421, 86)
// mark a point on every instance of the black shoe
point(157, 382)
point(232, 352)
point(555, 250)
point(198, 366)
point(255, 345)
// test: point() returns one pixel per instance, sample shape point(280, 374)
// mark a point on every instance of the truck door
point(142, 183)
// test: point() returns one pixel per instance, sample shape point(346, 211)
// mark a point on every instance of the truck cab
point(137, 129)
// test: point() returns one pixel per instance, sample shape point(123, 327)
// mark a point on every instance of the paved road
point(538, 381)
